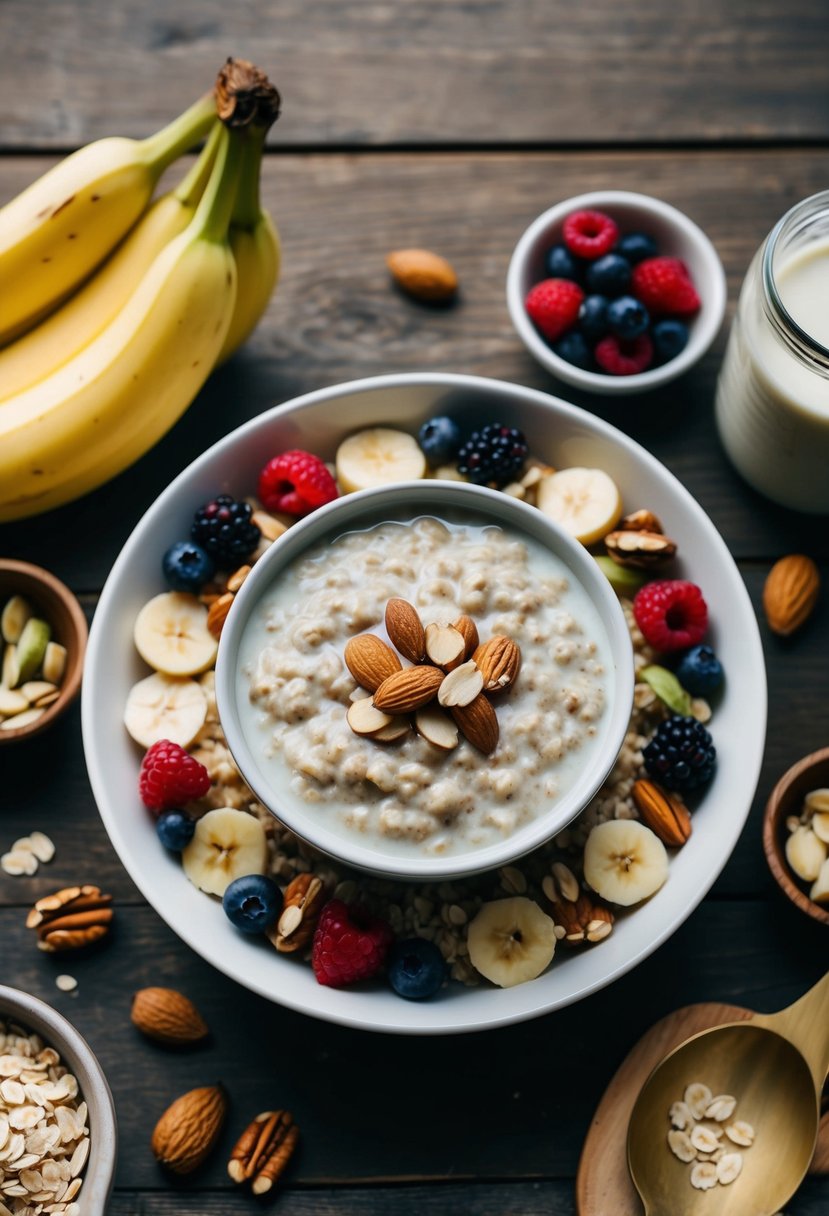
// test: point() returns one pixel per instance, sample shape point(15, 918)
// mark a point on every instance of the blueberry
point(574, 349)
point(175, 830)
point(700, 671)
point(440, 439)
point(627, 317)
point(669, 339)
point(252, 903)
point(187, 567)
point(561, 264)
point(416, 969)
point(637, 246)
point(609, 275)
point(593, 317)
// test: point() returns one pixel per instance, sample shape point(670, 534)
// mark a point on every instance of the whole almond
point(370, 660)
point(168, 1017)
point(499, 660)
point(423, 274)
point(188, 1130)
point(790, 593)
point(478, 723)
point(663, 812)
point(469, 631)
point(407, 690)
point(405, 629)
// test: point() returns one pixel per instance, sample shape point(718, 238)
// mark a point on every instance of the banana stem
point(168, 144)
point(213, 213)
point(247, 209)
point(192, 186)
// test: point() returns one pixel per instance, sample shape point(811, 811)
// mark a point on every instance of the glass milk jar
point(772, 402)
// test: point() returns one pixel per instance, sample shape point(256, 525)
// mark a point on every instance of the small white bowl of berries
point(616, 292)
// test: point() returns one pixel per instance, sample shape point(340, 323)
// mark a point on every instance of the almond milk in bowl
point(424, 777)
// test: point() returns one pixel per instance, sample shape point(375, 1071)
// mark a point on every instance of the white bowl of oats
point(460, 774)
point(57, 1117)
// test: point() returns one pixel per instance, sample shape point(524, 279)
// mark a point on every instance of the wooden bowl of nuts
point(43, 631)
point(796, 834)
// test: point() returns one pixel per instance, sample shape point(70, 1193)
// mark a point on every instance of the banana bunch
point(120, 307)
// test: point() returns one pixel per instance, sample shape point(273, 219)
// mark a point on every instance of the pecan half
point(640, 521)
point(71, 918)
point(663, 812)
point(263, 1150)
point(304, 897)
point(583, 919)
point(641, 549)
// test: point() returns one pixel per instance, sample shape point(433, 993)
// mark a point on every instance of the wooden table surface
point(448, 124)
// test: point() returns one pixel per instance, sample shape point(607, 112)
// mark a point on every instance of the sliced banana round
point(511, 941)
point(625, 862)
point(584, 502)
point(171, 634)
point(226, 844)
point(378, 457)
point(165, 707)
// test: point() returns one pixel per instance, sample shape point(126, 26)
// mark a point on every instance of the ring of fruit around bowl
point(611, 302)
point(505, 926)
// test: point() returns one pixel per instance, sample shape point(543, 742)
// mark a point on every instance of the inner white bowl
point(410, 500)
point(676, 236)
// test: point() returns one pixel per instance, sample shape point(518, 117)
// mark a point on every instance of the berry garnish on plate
point(494, 454)
point(619, 357)
point(223, 527)
point(671, 614)
point(296, 482)
point(609, 276)
point(670, 337)
point(681, 754)
point(416, 969)
point(627, 317)
point(187, 566)
point(252, 903)
point(664, 285)
point(700, 671)
point(349, 944)
point(553, 306)
point(637, 246)
point(561, 264)
point(590, 234)
point(175, 830)
point(170, 777)
point(440, 440)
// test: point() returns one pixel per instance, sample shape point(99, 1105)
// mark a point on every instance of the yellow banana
point(106, 406)
point(73, 326)
point(63, 225)
point(255, 244)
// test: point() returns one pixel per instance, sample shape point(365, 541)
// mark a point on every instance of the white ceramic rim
point(428, 497)
point(703, 331)
point(515, 1004)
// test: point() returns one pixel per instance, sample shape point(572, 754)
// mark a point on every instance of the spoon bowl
point(775, 1066)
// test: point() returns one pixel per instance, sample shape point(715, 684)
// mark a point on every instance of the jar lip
point(797, 333)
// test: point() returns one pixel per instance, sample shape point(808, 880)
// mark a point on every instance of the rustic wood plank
point(425, 72)
point(335, 316)
point(535, 1085)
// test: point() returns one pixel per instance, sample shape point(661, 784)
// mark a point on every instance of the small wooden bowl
point(55, 603)
point(810, 773)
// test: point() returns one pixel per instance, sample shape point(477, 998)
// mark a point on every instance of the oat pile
point(440, 912)
point(44, 1137)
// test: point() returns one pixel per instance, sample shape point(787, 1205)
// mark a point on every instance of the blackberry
point(223, 528)
point(493, 454)
point(681, 754)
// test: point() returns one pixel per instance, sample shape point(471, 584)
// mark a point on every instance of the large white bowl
point(358, 511)
point(564, 435)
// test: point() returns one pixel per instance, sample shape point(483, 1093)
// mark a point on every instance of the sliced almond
point(478, 723)
point(820, 825)
point(20, 720)
point(370, 660)
point(407, 690)
point(396, 729)
point(805, 853)
point(461, 685)
point(405, 630)
point(41, 846)
point(467, 627)
point(49, 699)
point(33, 690)
point(12, 701)
point(499, 660)
point(365, 719)
point(436, 727)
point(445, 645)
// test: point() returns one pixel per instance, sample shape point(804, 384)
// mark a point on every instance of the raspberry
point(224, 529)
point(624, 357)
point(665, 286)
point(590, 234)
point(671, 614)
point(296, 482)
point(681, 754)
point(553, 305)
point(170, 777)
point(349, 944)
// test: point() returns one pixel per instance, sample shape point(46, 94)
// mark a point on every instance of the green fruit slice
point(668, 688)
point(622, 579)
point(31, 648)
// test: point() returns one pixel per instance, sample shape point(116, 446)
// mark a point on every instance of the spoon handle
point(806, 1025)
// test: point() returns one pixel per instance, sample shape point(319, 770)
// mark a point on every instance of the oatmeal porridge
point(410, 794)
